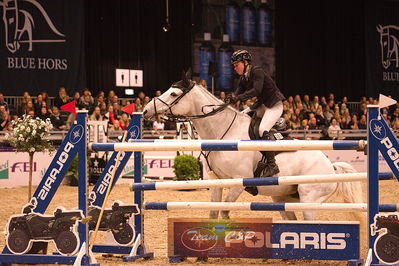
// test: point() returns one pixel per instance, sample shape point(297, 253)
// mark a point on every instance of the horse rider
point(254, 82)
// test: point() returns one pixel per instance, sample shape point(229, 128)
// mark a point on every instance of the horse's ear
point(189, 73)
point(379, 28)
point(186, 78)
point(183, 75)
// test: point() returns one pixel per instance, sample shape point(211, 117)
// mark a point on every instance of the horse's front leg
point(232, 196)
point(216, 196)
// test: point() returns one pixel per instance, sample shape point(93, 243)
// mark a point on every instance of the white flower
point(34, 132)
point(32, 149)
point(28, 129)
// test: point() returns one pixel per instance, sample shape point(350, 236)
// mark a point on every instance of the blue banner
point(42, 45)
point(381, 47)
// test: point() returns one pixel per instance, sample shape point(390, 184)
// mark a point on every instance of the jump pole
point(265, 206)
point(230, 145)
point(258, 181)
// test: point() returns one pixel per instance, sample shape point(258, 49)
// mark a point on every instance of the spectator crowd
point(101, 107)
point(300, 113)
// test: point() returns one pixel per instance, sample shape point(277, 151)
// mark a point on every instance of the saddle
point(278, 131)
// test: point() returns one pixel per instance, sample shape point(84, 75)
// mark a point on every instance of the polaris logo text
point(102, 188)
point(54, 173)
point(295, 240)
point(391, 151)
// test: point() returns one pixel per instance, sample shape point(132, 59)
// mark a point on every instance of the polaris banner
point(388, 145)
point(57, 169)
point(382, 48)
point(42, 45)
point(263, 238)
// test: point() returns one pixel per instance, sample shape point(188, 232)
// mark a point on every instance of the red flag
point(128, 108)
point(69, 107)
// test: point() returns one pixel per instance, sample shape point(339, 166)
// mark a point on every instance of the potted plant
point(30, 135)
point(186, 167)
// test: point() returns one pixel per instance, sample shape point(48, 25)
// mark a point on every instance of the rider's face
point(239, 67)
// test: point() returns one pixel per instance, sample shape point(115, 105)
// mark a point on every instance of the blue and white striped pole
point(265, 206)
point(253, 182)
point(230, 145)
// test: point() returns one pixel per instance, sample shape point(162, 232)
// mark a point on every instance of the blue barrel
point(248, 23)
point(224, 67)
point(233, 21)
point(265, 28)
point(207, 57)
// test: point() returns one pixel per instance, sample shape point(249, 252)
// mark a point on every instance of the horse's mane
point(218, 101)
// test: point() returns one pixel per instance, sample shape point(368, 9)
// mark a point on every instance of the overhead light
point(167, 25)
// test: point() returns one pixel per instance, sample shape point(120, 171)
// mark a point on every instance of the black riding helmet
point(241, 55)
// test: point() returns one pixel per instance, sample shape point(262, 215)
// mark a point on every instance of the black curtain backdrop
point(128, 34)
point(320, 47)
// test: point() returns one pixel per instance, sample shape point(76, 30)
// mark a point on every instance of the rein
point(220, 107)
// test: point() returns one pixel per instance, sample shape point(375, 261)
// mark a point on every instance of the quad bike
point(30, 232)
point(115, 220)
point(386, 245)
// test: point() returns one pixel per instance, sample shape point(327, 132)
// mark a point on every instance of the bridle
point(185, 90)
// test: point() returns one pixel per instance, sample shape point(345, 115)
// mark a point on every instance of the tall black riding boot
point(265, 169)
point(271, 168)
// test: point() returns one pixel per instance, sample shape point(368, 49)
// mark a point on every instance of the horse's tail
point(352, 192)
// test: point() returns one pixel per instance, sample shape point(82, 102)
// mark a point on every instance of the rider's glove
point(231, 99)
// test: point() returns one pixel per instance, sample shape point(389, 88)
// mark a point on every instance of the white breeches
point(269, 116)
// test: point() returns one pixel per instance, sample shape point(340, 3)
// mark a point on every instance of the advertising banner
point(381, 45)
point(263, 238)
point(42, 45)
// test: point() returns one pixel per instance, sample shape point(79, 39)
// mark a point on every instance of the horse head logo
point(389, 45)
point(19, 24)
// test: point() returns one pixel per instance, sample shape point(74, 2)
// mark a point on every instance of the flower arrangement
point(29, 135)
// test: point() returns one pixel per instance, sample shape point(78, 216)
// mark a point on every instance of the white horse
point(213, 121)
